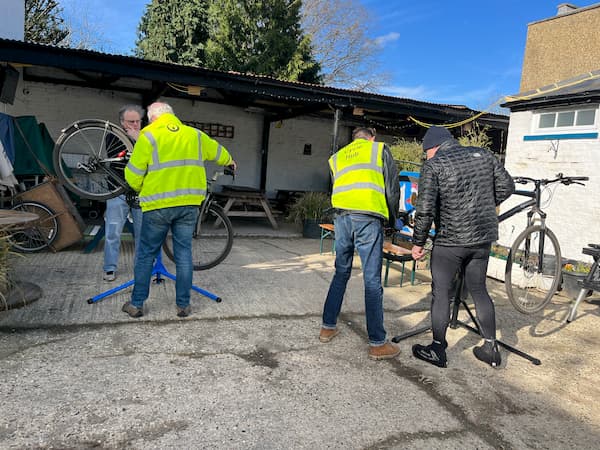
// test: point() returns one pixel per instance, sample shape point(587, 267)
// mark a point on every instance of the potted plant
point(310, 209)
point(571, 274)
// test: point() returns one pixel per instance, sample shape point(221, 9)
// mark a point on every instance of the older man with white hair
point(167, 170)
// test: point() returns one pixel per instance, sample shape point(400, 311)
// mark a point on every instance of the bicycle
point(89, 158)
point(36, 235)
point(533, 266)
point(213, 235)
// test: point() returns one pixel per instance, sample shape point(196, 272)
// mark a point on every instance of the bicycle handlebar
point(228, 170)
point(560, 178)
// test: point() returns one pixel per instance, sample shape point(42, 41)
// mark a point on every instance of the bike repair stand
point(457, 301)
point(158, 269)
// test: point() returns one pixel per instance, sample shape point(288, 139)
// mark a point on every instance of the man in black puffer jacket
point(459, 189)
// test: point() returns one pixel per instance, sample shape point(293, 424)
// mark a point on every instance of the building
point(554, 125)
point(281, 133)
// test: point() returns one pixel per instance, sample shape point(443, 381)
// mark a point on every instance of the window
point(566, 121)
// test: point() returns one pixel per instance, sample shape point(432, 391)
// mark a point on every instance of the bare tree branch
point(338, 30)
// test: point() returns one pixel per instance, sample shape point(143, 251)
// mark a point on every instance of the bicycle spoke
point(88, 142)
point(533, 270)
point(92, 171)
point(212, 239)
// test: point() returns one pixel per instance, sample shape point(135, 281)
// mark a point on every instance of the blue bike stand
point(158, 270)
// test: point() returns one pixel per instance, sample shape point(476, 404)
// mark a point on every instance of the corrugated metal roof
point(82, 59)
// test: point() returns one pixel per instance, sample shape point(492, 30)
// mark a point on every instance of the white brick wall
point(573, 211)
point(286, 151)
point(59, 105)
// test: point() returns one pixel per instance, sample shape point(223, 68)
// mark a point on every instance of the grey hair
point(363, 133)
point(157, 109)
point(125, 108)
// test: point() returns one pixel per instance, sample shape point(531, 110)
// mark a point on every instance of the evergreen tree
point(174, 31)
point(262, 37)
point(43, 22)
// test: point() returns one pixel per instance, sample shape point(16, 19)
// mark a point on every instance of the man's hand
point(233, 165)
point(133, 133)
point(418, 252)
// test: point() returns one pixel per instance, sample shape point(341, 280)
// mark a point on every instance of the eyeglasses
point(133, 121)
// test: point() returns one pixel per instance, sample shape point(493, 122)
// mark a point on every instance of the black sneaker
point(433, 353)
point(488, 353)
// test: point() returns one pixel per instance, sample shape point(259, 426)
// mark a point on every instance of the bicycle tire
point(212, 240)
point(529, 286)
point(37, 235)
point(81, 159)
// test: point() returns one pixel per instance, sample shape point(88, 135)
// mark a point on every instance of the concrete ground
point(250, 372)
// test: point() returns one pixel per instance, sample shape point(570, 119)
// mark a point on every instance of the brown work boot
point(327, 334)
point(132, 310)
point(184, 312)
point(385, 351)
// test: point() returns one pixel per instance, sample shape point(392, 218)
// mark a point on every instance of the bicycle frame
point(534, 206)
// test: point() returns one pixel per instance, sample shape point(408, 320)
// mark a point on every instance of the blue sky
point(466, 52)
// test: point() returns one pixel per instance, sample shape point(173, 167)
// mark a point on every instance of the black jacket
point(459, 189)
point(392, 185)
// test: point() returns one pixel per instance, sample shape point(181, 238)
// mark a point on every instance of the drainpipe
point(264, 153)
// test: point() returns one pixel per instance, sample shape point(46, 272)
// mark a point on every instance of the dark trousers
point(445, 262)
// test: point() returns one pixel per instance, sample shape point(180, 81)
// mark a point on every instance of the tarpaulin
point(6, 135)
point(33, 147)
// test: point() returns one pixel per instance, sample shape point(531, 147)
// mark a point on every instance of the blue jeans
point(155, 226)
point(365, 234)
point(115, 216)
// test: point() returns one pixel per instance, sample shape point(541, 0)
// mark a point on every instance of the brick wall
point(561, 47)
point(288, 168)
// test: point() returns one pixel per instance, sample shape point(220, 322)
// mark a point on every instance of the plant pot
point(570, 283)
point(311, 229)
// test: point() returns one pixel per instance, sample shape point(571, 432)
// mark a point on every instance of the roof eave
point(556, 100)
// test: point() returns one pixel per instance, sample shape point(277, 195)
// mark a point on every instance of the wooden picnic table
point(244, 198)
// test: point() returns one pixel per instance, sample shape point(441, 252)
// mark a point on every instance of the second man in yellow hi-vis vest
point(167, 170)
point(366, 192)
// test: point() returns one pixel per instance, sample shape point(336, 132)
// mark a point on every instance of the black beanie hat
point(435, 136)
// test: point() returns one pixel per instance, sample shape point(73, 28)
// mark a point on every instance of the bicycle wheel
point(533, 269)
point(89, 158)
point(212, 240)
point(36, 235)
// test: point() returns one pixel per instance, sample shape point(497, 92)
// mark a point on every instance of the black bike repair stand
point(457, 301)
point(158, 270)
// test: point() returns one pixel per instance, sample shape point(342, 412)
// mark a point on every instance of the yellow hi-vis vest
point(358, 183)
point(167, 164)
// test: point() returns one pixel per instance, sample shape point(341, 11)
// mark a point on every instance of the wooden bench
point(327, 230)
point(396, 253)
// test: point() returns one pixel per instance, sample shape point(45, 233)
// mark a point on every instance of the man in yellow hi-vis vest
point(167, 170)
point(366, 192)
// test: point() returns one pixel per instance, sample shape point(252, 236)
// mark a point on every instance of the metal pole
point(336, 123)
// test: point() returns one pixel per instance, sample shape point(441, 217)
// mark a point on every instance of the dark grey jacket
point(459, 189)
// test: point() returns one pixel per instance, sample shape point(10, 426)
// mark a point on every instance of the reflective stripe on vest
point(370, 166)
point(177, 193)
point(170, 192)
point(157, 165)
point(359, 186)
